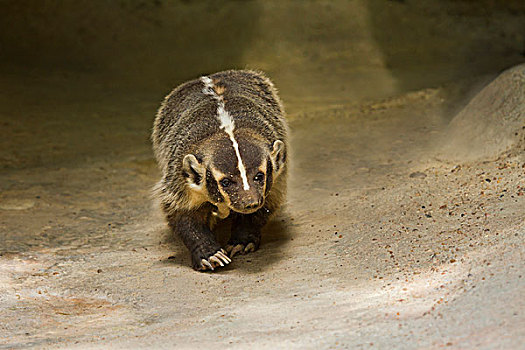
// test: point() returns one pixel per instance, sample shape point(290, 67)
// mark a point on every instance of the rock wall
point(330, 51)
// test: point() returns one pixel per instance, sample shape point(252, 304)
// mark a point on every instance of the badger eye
point(259, 177)
point(225, 182)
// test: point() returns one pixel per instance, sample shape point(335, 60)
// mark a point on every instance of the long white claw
point(249, 248)
point(216, 260)
point(226, 257)
point(223, 257)
point(238, 248)
point(207, 263)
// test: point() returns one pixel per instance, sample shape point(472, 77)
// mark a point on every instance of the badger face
point(235, 179)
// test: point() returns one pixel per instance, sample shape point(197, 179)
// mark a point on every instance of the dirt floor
point(404, 223)
point(381, 244)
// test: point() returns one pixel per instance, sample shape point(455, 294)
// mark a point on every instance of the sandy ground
point(382, 244)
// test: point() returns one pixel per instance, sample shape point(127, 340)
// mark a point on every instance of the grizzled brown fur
point(221, 143)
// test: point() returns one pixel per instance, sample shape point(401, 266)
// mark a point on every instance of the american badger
point(221, 145)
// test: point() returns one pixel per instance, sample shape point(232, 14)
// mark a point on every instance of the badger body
point(221, 145)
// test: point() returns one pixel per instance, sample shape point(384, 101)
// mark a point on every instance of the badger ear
point(193, 170)
point(278, 156)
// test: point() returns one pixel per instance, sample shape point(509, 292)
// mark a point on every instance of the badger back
point(252, 101)
point(188, 115)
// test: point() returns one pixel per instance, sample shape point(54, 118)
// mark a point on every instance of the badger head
point(235, 176)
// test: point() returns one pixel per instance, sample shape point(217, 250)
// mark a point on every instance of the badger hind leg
point(206, 253)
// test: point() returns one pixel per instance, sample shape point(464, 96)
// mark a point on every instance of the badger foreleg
point(192, 227)
point(246, 231)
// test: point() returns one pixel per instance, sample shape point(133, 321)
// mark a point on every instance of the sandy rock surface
point(492, 123)
point(380, 245)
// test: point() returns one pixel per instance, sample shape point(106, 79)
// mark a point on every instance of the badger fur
point(221, 145)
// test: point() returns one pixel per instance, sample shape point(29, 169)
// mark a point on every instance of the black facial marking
point(225, 159)
point(213, 188)
point(252, 154)
point(269, 176)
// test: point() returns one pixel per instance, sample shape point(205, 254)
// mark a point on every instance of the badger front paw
point(210, 261)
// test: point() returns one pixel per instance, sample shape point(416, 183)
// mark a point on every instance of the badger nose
point(253, 205)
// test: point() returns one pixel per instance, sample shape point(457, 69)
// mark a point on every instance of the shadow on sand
point(276, 234)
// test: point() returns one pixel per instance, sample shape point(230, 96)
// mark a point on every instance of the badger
point(221, 143)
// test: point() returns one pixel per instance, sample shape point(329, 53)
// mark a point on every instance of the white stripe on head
point(227, 124)
point(208, 86)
